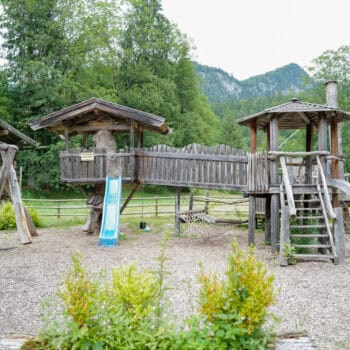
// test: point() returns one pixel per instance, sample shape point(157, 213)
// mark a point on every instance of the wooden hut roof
point(10, 135)
point(95, 107)
point(294, 114)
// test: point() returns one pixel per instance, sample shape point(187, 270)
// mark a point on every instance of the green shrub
point(8, 218)
point(123, 309)
point(236, 307)
point(34, 214)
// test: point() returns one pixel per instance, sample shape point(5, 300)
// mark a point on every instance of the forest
point(55, 53)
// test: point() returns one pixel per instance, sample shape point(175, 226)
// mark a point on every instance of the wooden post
point(252, 198)
point(284, 240)
point(21, 220)
point(268, 220)
point(66, 138)
point(252, 221)
point(132, 137)
point(156, 206)
point(206, 208)
point(177, 210)
point(339, 239)
point(322, 137)
point(335, 162)
point(308, 148)
point(253, 130)
point(274, 182)
point(190, 204)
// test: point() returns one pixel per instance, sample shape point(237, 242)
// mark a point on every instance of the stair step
point(308, 209)
point(314, 257)
point(311, 246)
point(308, 217)
point(307, 226)
point(309, 235)
point(306, 200)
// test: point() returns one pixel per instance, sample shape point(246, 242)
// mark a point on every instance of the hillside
point(220, 86)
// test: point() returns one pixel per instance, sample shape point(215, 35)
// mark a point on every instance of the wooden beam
point(288, 187)
point(7, 161)
point(335, 161)
point(132, 137)
point(308, 148)
point(253, 129)
point(94, 128)
point(339, 237)
point(274, 210)
point(4, 132)
point(127, 200)
point(303, 116)
point(252, 221)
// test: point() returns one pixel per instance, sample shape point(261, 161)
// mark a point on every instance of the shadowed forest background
point(59, 52)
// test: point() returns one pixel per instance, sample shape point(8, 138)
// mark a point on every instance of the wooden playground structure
point(8, 178)
point(300, 213)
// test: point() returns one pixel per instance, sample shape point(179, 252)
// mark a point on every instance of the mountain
point(220, 86)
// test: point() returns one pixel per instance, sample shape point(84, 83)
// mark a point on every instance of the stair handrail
point(288, 187)
point(328, 228)
point(327, 198)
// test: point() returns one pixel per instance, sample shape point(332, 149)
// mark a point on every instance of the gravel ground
point(312, 297)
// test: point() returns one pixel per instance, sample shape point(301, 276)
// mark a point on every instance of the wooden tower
point(300, 212)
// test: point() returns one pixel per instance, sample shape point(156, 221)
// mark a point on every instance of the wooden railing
point(220, 167)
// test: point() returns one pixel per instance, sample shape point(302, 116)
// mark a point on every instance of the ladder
point(307, 216)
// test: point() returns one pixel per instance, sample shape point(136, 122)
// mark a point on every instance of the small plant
point(236, 307)
point(289, 253)
point(8, 218)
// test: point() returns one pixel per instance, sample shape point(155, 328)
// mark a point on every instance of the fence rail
point(147, 206)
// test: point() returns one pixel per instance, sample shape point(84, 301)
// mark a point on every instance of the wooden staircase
point(311, 233)
point(307, 216)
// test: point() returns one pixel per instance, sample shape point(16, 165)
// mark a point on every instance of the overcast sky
point(250, 37)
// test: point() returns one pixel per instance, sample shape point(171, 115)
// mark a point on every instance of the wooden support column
point(66, 138)
point(177, 211)
point(252, 197)
point(268, 197)
point(339, 237)
point(335, 162)
point(308, 148)
point(132, 137)
point(275, 220)
point(322, 137)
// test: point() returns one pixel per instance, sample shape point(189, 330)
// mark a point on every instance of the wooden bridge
point(196, 166)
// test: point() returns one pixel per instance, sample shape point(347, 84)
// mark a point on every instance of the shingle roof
point(290, 114)
point(122, 113)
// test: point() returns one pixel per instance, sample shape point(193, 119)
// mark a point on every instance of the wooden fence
point(219, 167)
point(139, 206)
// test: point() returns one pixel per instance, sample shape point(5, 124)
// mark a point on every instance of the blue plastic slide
point(111, 213)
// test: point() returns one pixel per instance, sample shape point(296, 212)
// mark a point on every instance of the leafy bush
point(236, 307)
point(123, 309)
point(8, 218)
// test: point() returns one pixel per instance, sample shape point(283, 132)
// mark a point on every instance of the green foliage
point(289, 253)
point(124, 309)
point(236, 307)
point(7, 216)
point(8, 219)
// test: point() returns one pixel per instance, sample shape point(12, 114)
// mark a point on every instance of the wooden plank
point(268, 220)
point(193, 156)
point(325, 190)
point(275, 154)
point(275, 220)
point(253, 129)
point(7, 161)
point(339, 237)
point(284, 234)
point(16, 198)
point(335, 161)
point(288, 187)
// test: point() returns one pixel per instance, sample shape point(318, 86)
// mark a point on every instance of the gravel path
point(312, 297)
